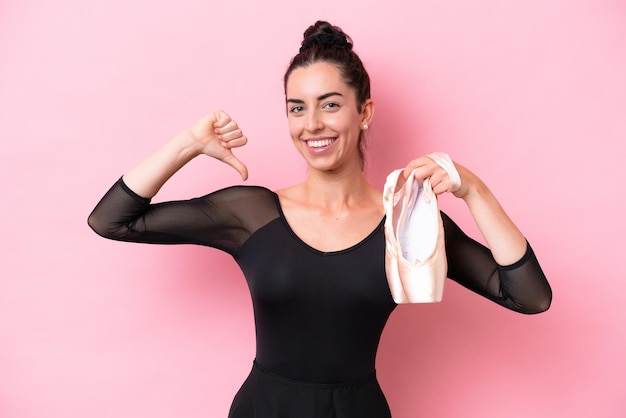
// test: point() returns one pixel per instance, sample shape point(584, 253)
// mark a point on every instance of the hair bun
point(324, 34)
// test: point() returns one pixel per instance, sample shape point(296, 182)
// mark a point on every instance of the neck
point(336, 189)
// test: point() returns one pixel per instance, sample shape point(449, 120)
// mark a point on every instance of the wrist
point(186, 145)
point(474, 192)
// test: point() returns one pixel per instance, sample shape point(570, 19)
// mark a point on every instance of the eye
point(296, 109)
point(331, 106)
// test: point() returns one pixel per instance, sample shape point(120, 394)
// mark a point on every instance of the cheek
point(294, 128)
point(348, 126)
point(338, 123)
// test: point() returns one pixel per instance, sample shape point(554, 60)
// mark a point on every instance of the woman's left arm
point(506, 271)
point(504, 239)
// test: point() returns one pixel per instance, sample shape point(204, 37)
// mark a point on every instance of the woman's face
point(323, 116)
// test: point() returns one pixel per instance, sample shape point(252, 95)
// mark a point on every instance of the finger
point(221, 117)
point(232, 161)
point(424, 166)
point(229, 136)
point(420, 162)
point(423, 172)
point(441, 187)
point(235, 143)
point(440, 182)
point(226, 126)
point(412, 166)
point(438, 176)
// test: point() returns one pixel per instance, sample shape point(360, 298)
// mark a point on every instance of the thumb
point(232, 161)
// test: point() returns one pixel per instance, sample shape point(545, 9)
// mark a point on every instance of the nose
point(313, 122)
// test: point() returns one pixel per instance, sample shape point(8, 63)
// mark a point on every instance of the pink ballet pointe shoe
point(415, 257)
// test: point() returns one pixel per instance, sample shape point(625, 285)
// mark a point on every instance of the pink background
point(530, 95)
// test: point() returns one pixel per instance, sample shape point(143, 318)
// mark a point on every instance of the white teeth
point(320, 143)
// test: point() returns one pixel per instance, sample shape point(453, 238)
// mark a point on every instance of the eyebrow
point(319, 98)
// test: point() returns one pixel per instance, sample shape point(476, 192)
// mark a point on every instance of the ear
point(367, 112)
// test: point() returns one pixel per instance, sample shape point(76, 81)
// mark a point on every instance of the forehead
point(314, 80)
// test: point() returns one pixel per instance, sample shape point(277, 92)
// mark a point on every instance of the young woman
point(313, 254)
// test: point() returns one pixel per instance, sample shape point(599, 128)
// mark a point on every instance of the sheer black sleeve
point(521, 287)
point(223, 219)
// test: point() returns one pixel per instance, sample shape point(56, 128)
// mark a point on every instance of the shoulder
point(290, 197)
point(248, 206)
point(241, 192)
point(235, 199)
point(289, 192)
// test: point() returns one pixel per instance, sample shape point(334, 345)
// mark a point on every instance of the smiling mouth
point(320, 143)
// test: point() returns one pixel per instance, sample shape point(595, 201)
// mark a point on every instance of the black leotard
point(319, 315)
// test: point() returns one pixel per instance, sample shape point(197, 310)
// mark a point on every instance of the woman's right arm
point(125, 212)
